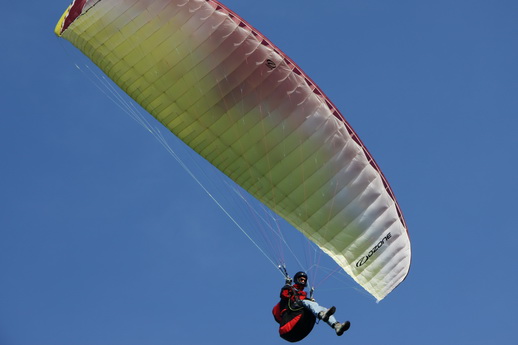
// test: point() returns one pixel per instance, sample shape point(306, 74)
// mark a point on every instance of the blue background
point(105, 239)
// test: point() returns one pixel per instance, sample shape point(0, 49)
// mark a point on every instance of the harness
point(295, 304)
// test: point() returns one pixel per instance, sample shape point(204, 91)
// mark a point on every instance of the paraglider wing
point(237, 100)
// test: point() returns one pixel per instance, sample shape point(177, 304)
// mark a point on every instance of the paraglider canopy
point(231, 95)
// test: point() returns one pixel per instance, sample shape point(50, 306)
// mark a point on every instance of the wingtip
point(58, 30)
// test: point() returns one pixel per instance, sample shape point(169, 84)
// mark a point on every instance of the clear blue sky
point(105, 240)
